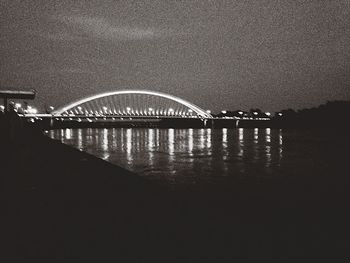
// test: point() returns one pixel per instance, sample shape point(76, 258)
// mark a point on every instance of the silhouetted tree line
point(331, 114)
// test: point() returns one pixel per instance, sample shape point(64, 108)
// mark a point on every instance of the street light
point(223, 112)
point(268, 113)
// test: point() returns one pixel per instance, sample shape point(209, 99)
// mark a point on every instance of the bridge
point(136, 103)
point(135, 108)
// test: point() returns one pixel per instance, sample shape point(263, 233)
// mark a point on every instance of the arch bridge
point(133, 103)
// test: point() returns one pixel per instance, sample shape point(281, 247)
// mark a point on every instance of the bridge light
point(170, 111)
point(240, 112)
point(208, 111)
point(255, 113)
point(18, 105)
point(79, 108)
point(223, 112)
point(128, 108)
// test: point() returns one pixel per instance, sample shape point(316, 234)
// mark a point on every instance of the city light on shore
point(32, 110)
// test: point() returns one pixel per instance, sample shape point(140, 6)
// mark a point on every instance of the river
point(191, 156)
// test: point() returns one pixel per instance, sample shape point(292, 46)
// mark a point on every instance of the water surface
point(189, 156)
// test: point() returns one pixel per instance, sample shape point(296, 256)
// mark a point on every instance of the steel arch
point(193, 107)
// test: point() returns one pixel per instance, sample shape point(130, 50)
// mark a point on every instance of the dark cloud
point(218, 54)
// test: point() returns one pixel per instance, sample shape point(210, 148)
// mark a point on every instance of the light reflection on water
point(280, 143)
point(182, 155)
point(104, 143)
point(268, 147)
point(128, 145)
point(171, 141)
point(190, 142)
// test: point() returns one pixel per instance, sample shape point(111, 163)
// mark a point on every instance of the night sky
point(217, 54)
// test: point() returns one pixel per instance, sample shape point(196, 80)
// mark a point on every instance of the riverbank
point(63, 205)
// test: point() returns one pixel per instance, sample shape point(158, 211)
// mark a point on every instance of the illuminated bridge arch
point(133, 103)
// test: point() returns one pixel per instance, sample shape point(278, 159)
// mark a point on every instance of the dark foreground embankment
point(63, 205)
